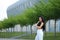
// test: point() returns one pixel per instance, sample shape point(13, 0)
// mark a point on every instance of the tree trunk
point(26, 30)
point(21, 29)
point(49, 25)
point(55, 30)
point(31, 29)
point(13, 29)
point(45, 33)
point(8, 29)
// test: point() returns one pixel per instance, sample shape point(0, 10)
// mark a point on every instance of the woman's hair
point(42, 18)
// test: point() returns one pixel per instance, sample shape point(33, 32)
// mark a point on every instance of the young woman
point(40, 28)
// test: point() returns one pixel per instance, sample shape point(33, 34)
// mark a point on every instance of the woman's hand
point(36, 23)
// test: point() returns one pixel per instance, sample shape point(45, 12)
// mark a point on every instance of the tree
point(1, 25)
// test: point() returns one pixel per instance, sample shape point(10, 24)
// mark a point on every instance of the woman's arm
point(36, 23)
point(39, 27)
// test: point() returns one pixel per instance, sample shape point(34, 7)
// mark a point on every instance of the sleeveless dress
point(39, 35)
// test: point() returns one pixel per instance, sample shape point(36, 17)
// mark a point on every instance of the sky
point(4, 4)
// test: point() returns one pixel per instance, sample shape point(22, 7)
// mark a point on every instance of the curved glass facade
point(20, 6)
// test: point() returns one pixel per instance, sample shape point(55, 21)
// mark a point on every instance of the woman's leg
point(40, 37)
point(36, 38)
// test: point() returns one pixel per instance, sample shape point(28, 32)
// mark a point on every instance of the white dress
point(39, 35)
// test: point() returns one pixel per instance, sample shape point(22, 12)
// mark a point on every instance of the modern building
point(20, 6)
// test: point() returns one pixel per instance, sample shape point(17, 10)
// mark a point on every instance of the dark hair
point(42, 18)
point(43, 22)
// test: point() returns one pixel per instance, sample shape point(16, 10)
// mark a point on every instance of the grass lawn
point(47, 36)
point(9, 34)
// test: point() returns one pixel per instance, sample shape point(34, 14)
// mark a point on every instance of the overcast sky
point(3, 7)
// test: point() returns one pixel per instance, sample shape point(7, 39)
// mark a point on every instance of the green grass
point(47, 36)
point(51, 36)
point(10, 34)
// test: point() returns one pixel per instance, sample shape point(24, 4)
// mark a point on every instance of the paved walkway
point(16, 37)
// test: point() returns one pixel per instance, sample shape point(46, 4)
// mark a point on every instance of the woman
point(40, 28)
